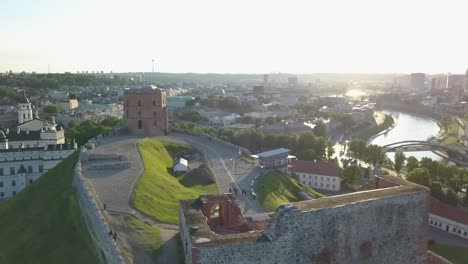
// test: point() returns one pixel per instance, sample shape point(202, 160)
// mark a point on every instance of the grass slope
point(149, 236)
point(43, 223)
point(275, 189)
point(158, 190)
point(457, 255)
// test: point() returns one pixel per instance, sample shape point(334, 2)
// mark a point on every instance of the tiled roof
point(448, 211)
point(316, 167)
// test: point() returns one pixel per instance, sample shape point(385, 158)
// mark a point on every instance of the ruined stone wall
point(95, 222)
point(185, 237)
point(384, 230)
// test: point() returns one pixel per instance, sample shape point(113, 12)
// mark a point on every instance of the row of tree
point(306, 146)
point(57, 81)
point(371, 153)
point(88, 129)
point(443, 180)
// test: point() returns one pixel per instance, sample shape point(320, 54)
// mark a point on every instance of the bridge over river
point(418, 145)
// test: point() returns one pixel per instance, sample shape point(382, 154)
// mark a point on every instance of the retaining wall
point(215, 139)
point(97, 226)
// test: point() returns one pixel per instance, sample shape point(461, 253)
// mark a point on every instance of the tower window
point(154, 114)
point(24, 116)
point(155, 123)
point(139, 102)
point(154, 102)
point(140, 124)
point(139, 114)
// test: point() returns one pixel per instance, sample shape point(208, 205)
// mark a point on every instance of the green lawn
point(452, 133)
point(275, 189)
point(43, 223)
point(247, 159)
point(158, 190)
point(457, 255)
point(147, 235)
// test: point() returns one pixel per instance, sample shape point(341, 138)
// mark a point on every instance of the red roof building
point(318, 174)
point(449, 218)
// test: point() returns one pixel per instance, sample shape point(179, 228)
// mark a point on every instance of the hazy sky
point(238, 36)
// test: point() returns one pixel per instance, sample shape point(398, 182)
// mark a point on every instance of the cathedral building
point(29, 150)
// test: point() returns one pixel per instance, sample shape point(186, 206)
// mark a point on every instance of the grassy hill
point(43, 223)
point(275, 189)
point(457, 255)
point(159, 190)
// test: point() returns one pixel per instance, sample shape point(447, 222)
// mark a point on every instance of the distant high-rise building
point(465, 85)
point(265, 80)
point(417, 81)
point(292, 82)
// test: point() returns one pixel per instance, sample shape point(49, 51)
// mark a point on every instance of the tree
point(451, 197)
point(330, 150)
point(51, 109)
point(352, 175)
point(445, 122)
point(320, 129)
point(420, 176)
point(431, 166)
point(112, 121)
point(399, 161)
point(374, 154)
point(437, 190)
point(411, 164)
point(357, 146)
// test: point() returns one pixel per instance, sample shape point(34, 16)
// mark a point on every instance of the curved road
point(114, 187)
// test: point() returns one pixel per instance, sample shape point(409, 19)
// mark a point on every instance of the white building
point(34, 147)
point(318, 174)
point(448, 218)
point(180, 165)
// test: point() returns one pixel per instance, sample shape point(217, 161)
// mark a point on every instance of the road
point(228, 168)
point(114, 187)
point(442, 237)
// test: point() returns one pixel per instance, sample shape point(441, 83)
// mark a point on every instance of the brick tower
point(145, 111)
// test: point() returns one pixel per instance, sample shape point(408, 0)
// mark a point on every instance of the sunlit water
point(355, 93)
point(409, 127)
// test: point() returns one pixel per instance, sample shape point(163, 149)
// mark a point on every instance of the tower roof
point(24, 99)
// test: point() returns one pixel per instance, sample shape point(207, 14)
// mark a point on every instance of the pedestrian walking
point(230, 190)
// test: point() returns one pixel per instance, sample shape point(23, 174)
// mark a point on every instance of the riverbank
point(370, 133)
point(388, 129)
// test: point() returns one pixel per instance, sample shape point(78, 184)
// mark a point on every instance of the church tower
point(25, 113)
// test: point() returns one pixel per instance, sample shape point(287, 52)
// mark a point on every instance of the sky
point(238, 36)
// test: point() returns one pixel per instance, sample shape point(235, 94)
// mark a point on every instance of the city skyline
point(233, 37)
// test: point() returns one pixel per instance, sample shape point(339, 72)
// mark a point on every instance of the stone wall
point(214, 139)
point(99, 230)
point(390, 229)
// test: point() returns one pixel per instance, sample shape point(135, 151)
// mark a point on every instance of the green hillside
point(275, 189)
point(159, 190)
point(43, 223)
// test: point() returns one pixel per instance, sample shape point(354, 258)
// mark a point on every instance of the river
point(409, 127)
